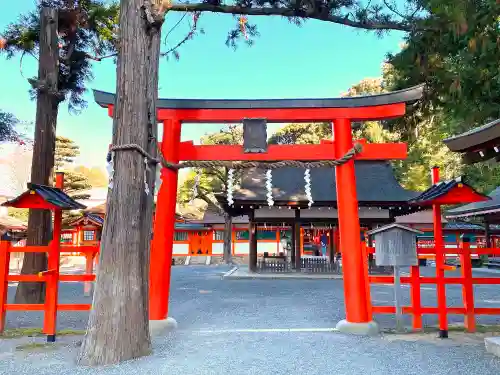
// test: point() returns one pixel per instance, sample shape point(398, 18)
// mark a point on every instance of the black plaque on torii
point(254, 135)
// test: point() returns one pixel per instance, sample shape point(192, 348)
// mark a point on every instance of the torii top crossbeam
point(360, 108)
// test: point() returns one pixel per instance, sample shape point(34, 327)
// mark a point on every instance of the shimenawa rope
point(356, 149)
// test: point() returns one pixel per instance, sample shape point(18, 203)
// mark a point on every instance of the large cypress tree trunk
point(39, 221)
point(118, 327)
point(228, 234)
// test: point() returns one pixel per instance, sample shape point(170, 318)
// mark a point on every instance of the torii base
point(162, 327)
point(362, 329)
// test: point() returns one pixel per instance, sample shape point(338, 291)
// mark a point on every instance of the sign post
point(396, 246)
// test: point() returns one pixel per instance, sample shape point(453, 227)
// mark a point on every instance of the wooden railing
point(51, 277)
point(466, 280)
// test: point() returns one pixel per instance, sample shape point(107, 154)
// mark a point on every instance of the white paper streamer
point(111, 170)
point(230, 187)
point(146, 170)
point(307, 179)
point(269, 186)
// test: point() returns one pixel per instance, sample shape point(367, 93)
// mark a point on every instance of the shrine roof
point(478, 144)
point(375, 183)
point(491, 206)
point(53, 196)
point(454, 191)
point(94, 219)
point(474, 138)
point(408, 95)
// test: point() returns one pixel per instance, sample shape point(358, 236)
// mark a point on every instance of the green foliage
point(18, 213)
point(95, 175)
point(65, 154)
point(210, 180)
point(8, 123)
point(457, 59)
point(88, 31)
point(301, 134)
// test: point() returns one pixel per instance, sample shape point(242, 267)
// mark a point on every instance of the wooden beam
point(324, 151)
point(224, 115)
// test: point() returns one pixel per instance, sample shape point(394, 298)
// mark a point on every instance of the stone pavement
point(281, 327)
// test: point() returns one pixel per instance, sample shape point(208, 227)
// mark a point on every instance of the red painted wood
point(355, 279)
point(467, 289)
point(74, 307)
point(32, 200)
point(87, 277)
point(325, 151)
point(460, 195)
point(35, 278)
point(381, 112)
point(4, 284)
point(162, 244)
point(415, 296)
point(25, 307)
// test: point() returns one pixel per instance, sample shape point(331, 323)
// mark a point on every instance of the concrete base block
point(161, 327)
point(492, 345)
point(365, 329)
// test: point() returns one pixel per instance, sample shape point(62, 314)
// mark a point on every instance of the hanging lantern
point(230, 186)
point(269, 187)
point(307, 179)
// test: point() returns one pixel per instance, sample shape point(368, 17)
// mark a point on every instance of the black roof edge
point(473, 137)
point(409, 95)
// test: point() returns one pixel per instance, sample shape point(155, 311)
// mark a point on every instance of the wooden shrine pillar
point(164, 222)
point(252, 243)
point(298, 242)
point(331, 244)
point(440, 262)
point(355, 275)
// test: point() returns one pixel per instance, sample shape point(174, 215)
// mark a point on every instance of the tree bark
point(228, 234)
point(118, 327)
point(39, 221)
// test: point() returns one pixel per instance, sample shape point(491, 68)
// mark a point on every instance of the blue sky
point(315, 60)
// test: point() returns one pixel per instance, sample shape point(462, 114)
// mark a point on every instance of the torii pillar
point(164, 224)
point(356, 294)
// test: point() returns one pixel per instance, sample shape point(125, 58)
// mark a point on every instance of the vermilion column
point(163, 234)
point(355, 275)
point(440, 262)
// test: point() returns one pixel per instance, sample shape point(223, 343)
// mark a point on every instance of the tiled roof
point(478, 208)
point(375, 182)
point(51, 195)
point(437, 190)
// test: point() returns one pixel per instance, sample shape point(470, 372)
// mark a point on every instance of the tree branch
point(287, 12)
point(208, 200)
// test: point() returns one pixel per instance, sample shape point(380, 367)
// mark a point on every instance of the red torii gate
point(340, 111)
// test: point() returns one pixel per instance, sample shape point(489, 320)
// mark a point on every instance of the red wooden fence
point(466, 280)
point(51, 277)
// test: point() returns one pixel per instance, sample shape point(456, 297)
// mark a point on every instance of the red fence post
point(52, 281)
point(4, 282)
point(365, 252)
point(467, 287)
point(416, 303)
point(89, 269)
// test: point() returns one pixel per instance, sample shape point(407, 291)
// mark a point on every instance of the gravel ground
point(221, 326)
